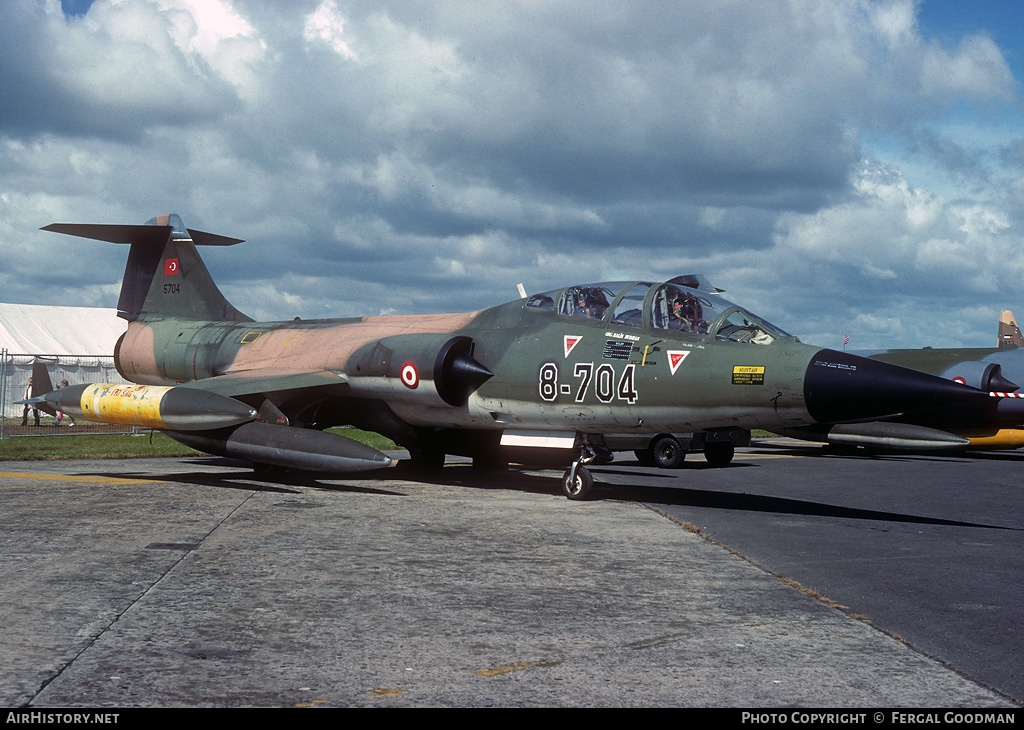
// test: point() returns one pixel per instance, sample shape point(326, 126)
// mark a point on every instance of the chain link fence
point(20, 420)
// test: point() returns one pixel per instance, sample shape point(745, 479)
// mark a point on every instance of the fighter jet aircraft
point(534, 380)
point(996, 370)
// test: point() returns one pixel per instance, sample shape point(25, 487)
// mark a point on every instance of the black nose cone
point(842, 387)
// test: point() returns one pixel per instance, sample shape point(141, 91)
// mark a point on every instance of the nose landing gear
point(577, 481)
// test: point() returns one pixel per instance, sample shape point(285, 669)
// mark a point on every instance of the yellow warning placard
point(748, 375)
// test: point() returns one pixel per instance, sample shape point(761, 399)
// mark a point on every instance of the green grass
point(92, 446)
point(375, 440)
point(128, 446)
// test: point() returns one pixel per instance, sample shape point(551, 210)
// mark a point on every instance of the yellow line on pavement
point(521, 666)
point(768, 456)
point(68, 478)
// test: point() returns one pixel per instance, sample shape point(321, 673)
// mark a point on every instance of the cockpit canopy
point(685, 304)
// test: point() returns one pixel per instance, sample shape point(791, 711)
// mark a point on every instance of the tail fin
point(41, 385)
point(165, 276)
point(1009, 332)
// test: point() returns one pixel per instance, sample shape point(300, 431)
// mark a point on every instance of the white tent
point(31, 329)
point(75, 343)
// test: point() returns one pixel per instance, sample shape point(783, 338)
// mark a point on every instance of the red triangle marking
point(675, 357)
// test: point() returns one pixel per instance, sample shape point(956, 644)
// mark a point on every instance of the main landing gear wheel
point(423, 461)
point(719, 453)
point(492, 462)
point(668, 453)
point(267, 471)
point(644, 456)
point(577, 482)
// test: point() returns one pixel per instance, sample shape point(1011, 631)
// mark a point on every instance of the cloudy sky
point(842, 167)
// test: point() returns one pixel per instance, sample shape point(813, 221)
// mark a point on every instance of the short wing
point(254, 382)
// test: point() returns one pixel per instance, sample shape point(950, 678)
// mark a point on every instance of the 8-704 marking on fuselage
point(607, 386)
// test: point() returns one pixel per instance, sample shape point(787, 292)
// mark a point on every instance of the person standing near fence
point(24, 412)
point(64, 384)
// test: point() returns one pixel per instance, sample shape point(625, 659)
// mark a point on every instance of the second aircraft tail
point(1009, 332)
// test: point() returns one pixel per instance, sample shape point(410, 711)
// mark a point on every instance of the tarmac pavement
point(190, 583)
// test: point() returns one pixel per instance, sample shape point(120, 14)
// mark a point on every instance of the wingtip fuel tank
point(150, 406)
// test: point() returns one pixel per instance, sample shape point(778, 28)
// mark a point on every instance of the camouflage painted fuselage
point(551, 372)
point(624, 357)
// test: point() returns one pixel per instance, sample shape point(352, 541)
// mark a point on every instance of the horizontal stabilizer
point(144, 234)
point(202, 238)
point(165, 275)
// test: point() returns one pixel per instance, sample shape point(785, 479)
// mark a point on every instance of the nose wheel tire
point(577, 486)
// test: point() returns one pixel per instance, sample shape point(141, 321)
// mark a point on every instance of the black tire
point(583, 486)
point(267, 471)
point(668, 453)
point(719, 453)
point(602, 456)
point(425, 462)
point(645, 456)
point(490, 462)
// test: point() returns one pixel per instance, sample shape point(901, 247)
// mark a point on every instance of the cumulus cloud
point(116, 72)
point(800, 152)
point(891, 264)
point(326, 25)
